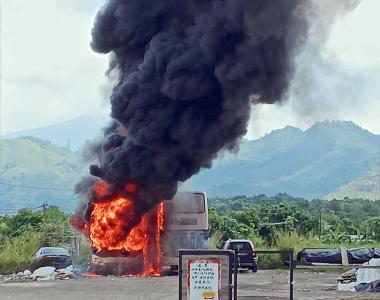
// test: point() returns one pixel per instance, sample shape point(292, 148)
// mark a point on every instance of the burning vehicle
point(181, 223)
point(139, 253)
point(114, 231)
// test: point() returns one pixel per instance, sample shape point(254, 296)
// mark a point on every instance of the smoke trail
point(188, 72)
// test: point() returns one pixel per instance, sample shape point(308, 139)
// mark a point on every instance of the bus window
point(187, 203)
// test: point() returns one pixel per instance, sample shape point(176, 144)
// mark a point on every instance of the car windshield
point(240, 246)
point(54, 251)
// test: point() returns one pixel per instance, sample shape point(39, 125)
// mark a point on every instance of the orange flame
point(111, 227)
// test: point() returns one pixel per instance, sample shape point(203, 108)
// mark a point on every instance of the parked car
point(245, 250)
point(56, 257)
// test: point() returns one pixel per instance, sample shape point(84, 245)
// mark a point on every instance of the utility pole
point(320, 224)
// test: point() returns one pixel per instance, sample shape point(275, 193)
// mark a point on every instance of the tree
point(373, 228)
point(247, 217)
point(24, 220)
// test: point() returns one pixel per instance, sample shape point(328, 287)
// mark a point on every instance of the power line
point(4, 212)
point(35, 187)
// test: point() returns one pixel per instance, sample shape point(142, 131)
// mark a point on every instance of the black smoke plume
point(187, 74)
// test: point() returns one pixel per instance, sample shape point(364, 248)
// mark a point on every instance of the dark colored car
point(246, 255)
point(56, 257)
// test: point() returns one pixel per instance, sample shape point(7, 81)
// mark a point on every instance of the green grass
point(17, 254)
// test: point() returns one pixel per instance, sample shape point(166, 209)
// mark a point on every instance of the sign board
point(203, 279)
point(205, 274)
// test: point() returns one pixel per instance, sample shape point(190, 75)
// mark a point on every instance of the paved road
point(263, 285)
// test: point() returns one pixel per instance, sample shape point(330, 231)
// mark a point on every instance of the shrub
point(216, 240)
point(17, 254)
point(287, 240)
point(269, 261)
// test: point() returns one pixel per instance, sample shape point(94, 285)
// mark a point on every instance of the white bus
point(186, 225)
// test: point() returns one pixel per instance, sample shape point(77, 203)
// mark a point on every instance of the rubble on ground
point(40, 274)
point(361, 279)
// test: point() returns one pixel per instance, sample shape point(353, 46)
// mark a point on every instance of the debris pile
point(41, 274)
point(362, 279)
point(348, 277)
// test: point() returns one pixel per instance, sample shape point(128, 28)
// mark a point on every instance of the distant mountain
point(336, 159)
point(308, 164)
point(33, 172)
point(71, 134)
point(364, 187)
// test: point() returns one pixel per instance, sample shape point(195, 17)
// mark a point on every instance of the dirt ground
point(262, 285)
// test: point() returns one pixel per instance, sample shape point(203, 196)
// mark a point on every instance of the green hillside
point(33, 171)
point(364, 187)
point(309, 164)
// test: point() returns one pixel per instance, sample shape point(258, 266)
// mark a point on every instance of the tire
point(173, 270)
point(254, 268)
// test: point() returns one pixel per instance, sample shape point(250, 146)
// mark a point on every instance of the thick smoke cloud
point(187, 73)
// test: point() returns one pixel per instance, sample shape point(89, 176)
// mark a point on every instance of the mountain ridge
point(70, 134)
point(328, 160)
point(338, 147)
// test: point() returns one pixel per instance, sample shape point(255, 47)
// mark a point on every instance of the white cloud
point(338, 81)
point(48, 71)
point(354, 39)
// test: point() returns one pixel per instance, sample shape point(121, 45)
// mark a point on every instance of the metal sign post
point(206, 275)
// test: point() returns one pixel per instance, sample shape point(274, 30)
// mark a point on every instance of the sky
point(49, 74)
